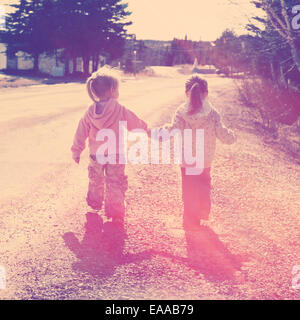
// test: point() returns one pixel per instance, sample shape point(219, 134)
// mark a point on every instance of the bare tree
point(283, 26)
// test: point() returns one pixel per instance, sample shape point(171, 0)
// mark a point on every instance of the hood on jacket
point(109, 112)
point(198, 118)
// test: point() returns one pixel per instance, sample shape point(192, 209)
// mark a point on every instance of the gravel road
point(247, 251)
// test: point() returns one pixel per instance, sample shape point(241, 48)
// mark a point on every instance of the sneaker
point(191, 227)
point(118, 220)
point(93, 222)
point(204, 223)
point(95, 208)
point(118, 223)
point(94, 205)
point(191, 224)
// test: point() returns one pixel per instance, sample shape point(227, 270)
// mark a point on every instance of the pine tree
point(228, 52)
point(30, 28)
point(92, 27)
point(278, 32)
point(82, 28)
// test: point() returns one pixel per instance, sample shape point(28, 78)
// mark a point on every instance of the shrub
point(276, 105)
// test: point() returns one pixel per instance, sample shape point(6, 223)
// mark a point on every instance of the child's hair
point(197, 88)
point(98, 85)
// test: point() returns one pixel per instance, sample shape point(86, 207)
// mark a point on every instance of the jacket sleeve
point(133, 121)
point(177, 122)
point(225, 135)
point(81, 135)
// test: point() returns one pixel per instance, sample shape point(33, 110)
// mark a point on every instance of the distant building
point(48, 64)
point(157, 44)
point(2, 45)
point(2, 56)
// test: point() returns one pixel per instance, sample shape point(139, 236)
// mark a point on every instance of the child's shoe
point(191, 227)
point(94, 222)
point(204, 223)
point(119, 224)
point(191, 224)
point(118, 220)
point(95, 207)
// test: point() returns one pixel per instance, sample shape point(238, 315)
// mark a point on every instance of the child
point(197, 113)
point(104, 113)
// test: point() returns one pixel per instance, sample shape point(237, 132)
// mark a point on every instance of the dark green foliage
point(279, 45)
point(82, 28)
point(270, 51)
point(186, 51)
point(129, 67)
point(269, 56)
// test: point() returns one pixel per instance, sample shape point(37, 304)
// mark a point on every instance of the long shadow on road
point(101, 249)
point(209, 256)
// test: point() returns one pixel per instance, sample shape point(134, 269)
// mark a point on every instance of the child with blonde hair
point(104, 113)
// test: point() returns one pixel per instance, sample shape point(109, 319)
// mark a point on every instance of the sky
point(198, 19)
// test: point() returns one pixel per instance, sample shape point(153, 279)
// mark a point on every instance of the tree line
point(170, 53)
point(91, 28)
point(270, 50)
point(269, 57)
point(83, 29)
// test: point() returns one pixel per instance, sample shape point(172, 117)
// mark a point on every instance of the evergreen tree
point(82, 28)
point(30, 28)
point(228, 52)
point(93, 27)
point(282, 43)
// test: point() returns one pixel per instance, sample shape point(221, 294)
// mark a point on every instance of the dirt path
point(248, 251)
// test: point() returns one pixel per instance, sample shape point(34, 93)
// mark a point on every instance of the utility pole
point(134, 62)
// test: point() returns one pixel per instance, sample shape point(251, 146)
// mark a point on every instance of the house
point(2, 56)
point(48, 64)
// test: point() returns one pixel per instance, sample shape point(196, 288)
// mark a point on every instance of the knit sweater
point(207, 119)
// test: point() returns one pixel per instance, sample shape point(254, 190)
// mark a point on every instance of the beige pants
point(109, 179)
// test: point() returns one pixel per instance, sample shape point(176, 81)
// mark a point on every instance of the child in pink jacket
point(105, 115)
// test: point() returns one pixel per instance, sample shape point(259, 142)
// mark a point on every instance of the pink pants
point(110, 182)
